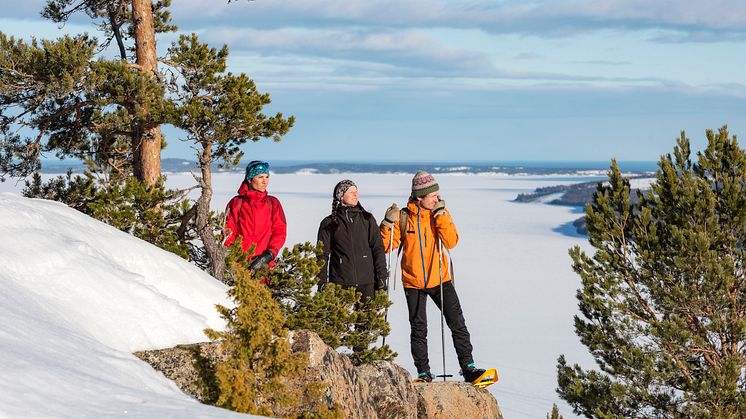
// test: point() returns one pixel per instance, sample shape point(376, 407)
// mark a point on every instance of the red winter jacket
point(258, 218)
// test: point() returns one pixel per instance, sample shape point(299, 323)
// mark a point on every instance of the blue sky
point(471, 80)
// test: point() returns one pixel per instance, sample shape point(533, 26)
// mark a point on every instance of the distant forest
point(575, 195)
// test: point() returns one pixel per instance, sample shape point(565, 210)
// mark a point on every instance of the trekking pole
point(388, 277)
point(442, 304)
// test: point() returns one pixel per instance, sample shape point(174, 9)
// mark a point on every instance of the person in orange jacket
point(425, 271)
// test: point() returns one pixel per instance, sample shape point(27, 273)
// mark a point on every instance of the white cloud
point(538, 17)
point(713, 14)
point(410, 51)
point(709, 21)
point(377, 44)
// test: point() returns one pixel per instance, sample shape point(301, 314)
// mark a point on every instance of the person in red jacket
point(256, 217)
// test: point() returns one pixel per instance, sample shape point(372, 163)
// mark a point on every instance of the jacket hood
point(356, 208)
point(246, 191)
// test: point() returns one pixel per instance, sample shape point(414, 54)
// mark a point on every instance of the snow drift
point(78, 297)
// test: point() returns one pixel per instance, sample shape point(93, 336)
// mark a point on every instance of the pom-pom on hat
point(256, 168)
point(423, 183)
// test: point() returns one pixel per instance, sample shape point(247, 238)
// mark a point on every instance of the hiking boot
point(424, 377)
point(471, 373)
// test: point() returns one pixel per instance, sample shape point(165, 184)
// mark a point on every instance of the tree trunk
point(215, 250)
point(146, 140)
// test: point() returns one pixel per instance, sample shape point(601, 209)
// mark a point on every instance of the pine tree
point(75, 191)
point(663, 297)
point(253, 378)
point(137, 21)
point(555, 413)
point(150, 213)
point(72, 104)
point(337, 315)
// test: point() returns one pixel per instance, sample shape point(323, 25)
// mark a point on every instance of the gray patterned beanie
point(423, 183)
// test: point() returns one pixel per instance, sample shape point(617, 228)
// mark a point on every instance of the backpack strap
point(228, 211)
point(403, 218)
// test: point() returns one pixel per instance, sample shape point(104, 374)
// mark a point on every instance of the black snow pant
point(368, 290)
point(416, 302)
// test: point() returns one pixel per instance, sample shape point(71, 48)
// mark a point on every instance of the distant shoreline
point(527, 168)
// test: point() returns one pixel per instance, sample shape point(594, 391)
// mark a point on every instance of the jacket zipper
point(422, 253)
point(352, 245)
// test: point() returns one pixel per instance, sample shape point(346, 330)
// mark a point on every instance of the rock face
point(328, 366)
point(378, 390)
point(455, 400)
point(189, 367)
point(390, 389)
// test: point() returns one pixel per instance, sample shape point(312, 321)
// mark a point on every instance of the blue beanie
point(256, 168)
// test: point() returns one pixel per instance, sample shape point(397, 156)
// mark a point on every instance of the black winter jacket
point(353, 249)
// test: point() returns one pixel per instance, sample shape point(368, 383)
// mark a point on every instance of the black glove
point(380, 284)
point(261, 261)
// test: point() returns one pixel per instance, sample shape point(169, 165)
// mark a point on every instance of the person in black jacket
point(353, 249)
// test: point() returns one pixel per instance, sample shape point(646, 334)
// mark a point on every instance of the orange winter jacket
point(420, 247)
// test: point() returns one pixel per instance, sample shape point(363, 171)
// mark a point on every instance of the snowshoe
point(479, 377)
point(485, 379)
point(424, 377)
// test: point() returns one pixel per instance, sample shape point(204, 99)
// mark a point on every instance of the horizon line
point(311, 161)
